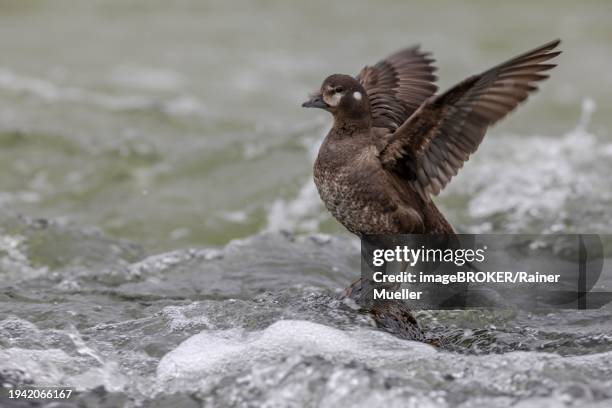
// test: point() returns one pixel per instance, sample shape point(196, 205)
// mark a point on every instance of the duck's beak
point(316, 101)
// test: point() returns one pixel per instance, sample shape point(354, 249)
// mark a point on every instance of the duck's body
point(366, 198)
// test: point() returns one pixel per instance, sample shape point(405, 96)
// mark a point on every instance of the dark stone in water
point(394, 317)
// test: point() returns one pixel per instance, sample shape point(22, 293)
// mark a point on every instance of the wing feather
point(444, 131)
point(398, 85)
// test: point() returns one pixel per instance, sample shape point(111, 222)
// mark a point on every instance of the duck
point(396, 143)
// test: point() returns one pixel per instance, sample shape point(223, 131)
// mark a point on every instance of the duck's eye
point(338, 89)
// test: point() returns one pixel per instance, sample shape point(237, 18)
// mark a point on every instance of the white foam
point(46, 366)
point(219, 351)
point(178, 320)
point(544, 178)
point(53, 367)
point(305, 211)
point(14, 263)
point(300, 213)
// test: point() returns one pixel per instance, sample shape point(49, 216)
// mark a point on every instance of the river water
point(162, 243)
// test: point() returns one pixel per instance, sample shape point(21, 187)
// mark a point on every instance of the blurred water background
point(155, 184)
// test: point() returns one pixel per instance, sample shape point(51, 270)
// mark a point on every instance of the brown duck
point(395, 143)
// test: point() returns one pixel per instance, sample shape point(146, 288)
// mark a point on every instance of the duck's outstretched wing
point(398, 85)
point(431, 146)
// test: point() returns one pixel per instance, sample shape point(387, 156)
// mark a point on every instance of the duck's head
point(343, 97)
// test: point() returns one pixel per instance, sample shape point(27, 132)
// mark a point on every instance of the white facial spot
point(334, 100)
point(357, 95)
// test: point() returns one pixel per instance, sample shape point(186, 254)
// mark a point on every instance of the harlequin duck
point(395, 142)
